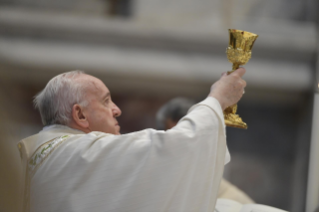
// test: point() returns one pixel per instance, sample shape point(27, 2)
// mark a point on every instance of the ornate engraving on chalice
point(238, 52)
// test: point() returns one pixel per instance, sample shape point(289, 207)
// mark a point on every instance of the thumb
point(240, 71)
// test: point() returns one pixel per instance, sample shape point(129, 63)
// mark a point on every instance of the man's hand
point(229, 89)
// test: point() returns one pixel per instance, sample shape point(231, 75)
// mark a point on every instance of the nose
point(116, 110)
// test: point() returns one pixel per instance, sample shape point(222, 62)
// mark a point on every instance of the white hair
point(56, 100)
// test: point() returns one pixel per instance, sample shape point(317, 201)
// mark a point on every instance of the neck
point(77, 127)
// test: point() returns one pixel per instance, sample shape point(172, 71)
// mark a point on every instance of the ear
point(79, 116)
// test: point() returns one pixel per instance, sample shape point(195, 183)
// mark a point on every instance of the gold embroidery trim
point(34, 163)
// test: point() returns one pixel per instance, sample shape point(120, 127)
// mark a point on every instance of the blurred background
point(149, 51)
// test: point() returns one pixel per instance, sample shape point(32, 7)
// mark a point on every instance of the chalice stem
point(235, 67)
point(231, 118)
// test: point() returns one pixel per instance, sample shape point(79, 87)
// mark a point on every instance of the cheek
point(100, 115)
point(105, 115)
point(96, 115)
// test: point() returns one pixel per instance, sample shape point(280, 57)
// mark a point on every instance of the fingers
point(237, 74)
point(229, 89)
point(243, 83)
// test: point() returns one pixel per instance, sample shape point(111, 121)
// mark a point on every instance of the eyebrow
point(106, 95)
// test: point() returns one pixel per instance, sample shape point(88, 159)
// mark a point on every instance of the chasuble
point(177, 170)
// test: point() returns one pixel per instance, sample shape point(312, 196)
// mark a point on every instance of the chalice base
point(232, 119)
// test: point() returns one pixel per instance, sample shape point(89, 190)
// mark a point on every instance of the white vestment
point(177, 170)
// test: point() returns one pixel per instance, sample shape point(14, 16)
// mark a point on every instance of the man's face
point(101, 111)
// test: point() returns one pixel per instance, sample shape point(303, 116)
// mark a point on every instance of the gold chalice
point(238, 52)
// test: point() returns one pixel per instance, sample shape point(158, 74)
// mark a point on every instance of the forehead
point(94, 86)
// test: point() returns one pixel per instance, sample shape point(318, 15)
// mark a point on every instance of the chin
point(118, 130)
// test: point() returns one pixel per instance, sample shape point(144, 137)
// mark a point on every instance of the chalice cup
point(238, 53)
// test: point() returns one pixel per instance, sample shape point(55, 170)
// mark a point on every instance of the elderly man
point(168, 116)
point(79, 161)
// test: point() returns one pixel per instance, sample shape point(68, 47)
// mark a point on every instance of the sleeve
point(203, 123)
point(192, 154)
point(214, 105)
